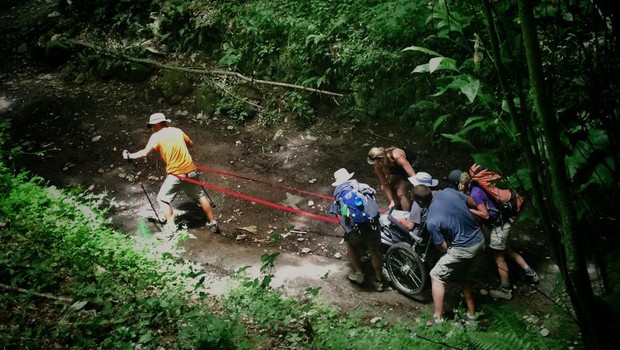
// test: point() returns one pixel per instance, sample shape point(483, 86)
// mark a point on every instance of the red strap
point(260, 201)
point(264, 182)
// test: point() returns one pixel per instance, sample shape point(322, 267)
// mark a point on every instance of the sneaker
point(533, 277)
point(501, 293)
point(356, 277)
point(213, 227)
point(379, 286)
point(434, 321)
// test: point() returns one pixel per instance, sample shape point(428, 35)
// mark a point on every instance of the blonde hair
point(464, 180)
point(384, 156)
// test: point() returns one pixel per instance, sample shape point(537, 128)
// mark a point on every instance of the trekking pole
point(213, 205)
point(134, 170)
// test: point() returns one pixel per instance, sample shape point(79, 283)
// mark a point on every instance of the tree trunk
point(573, 268)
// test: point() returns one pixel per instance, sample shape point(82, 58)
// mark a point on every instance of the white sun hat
point(341, 175)
point(422, 178)
point(156, 118)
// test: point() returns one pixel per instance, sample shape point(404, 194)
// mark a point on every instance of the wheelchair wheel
point(406, 269)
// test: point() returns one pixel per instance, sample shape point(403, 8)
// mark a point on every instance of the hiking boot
point(532, 276)
point(213, 227)
point(386, 275)
point(356, 277)
point(501, 293)
point(378, 286)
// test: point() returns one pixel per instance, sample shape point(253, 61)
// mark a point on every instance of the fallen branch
point(230, 93)
point(383, 137)
point(199, 71)
point(43, 295)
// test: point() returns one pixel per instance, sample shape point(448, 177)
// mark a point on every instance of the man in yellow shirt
point(172, 144)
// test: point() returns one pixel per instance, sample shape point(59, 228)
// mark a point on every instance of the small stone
point(484, 292)
point(230, 127)
point(306, 250)
point(251, 229)
point(238, 143)
point(312, 181)
point(101, 171)
point(374, 320)
point(278, 134)
point(544, 332)
point(310, 203)
point(96, 138)
point(241, 237)
point(338, 256)
point(300, 239)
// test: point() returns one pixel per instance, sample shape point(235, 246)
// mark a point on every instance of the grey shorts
point(498, 238)
point(456, 264)
point(173, 185)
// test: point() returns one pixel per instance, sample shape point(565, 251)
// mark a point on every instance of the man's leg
point(502, 266)
point(166, 195)
point(207, 208)
point(469, 299)
point(353, 251)
point(438, 290)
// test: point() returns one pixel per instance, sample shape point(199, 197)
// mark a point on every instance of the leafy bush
point(74, 282)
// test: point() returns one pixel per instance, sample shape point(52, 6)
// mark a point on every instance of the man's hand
point(126, 154)
point(408, 224)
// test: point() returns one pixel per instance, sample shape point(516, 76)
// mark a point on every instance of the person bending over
point(498, 230)
point(393, 167)
point(455, 233)
point(172, 144)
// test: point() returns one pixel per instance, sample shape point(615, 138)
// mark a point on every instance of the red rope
point(263, 182)
point(260, 201)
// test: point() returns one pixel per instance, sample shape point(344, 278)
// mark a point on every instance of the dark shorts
point(365, 234)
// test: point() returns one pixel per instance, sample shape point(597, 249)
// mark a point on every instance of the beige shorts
point(498, 237)
point(457, 263)
point(173, 185)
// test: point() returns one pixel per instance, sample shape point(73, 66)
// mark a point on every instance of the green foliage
point(105, 291)
point(508, 331)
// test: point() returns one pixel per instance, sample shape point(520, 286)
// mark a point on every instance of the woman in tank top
point(393, 166)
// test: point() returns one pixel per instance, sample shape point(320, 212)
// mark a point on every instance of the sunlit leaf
point(457, 139)
point(79, 305)
point(421, 49)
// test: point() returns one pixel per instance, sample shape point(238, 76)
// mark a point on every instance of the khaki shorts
point(172, 185)
point(498, 237)
point(457, 263)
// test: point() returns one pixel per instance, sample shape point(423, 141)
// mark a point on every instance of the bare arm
point(479, 210)
point(443, 247)
point(385, 185)
point(150, 146)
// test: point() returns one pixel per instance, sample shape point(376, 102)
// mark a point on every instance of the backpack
point(357, 207)
point(509, 202)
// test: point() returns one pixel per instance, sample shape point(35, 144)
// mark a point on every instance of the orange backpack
point(509, 202)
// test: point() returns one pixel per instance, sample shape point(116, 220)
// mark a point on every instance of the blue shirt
point(450, 220)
